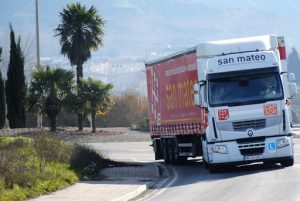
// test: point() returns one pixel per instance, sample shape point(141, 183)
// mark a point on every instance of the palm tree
point(80, 31)
point(48, 89)
point(96, 97)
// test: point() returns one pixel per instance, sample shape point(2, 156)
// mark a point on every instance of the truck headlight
point(283, 142)
point(221, 149)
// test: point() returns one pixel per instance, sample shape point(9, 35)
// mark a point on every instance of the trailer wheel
point(165, 152)
point(157, 149)
point(171, 154)
point(172, 151)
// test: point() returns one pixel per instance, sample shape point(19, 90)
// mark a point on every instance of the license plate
point(253, 157)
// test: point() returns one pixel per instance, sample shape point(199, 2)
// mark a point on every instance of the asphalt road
point(191, 181)
point(126, 151)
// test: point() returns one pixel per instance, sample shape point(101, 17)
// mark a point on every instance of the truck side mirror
point(197, 95)
point(293, 89)
point(291, 77)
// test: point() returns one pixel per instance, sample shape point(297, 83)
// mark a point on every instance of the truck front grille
point(251, 140)
point(250, 124)
point(253, 151)
point(252, 148)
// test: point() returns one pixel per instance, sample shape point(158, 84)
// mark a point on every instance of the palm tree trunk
point(79, 71)
point(39, 118)
point(93, 121)
point(80, 119)
point(53, 124)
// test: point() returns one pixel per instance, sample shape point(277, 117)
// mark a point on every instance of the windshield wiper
point(235, 104)
point(248, 102)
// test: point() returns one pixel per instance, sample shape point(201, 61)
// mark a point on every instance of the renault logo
point(250, 133)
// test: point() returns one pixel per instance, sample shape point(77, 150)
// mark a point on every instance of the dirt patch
point(88, 132)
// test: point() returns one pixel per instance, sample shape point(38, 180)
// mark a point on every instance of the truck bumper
point(268, 160)
point(270, 150)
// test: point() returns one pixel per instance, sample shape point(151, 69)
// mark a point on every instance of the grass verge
point(32, 166)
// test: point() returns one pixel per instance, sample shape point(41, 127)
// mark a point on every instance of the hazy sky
point(135, 27)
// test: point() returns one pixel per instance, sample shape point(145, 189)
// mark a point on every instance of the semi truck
point(227, 101)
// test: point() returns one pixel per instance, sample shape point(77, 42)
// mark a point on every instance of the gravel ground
point(118, 134)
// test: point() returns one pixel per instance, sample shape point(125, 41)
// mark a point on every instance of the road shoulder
point(120, 184)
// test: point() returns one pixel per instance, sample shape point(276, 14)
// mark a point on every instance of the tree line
point(50, 89)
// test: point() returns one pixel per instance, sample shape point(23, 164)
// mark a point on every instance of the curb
point(130, 195)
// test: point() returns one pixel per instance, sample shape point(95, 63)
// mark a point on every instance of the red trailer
point(176, 125)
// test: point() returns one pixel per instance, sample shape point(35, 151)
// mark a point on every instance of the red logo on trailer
point(281, 48)
point(223, 114)
point(270, 109)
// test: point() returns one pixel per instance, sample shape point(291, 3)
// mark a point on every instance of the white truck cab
point(246, 90)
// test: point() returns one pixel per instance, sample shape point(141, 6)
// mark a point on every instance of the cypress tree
point(15, 87)
point(2, 99)
point(293, 63)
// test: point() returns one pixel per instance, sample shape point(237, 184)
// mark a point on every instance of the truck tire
point(212, 168)
point(172, 151)
point(205, 164)
point(288, 162)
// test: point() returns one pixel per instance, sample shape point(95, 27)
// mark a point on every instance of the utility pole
point(37, 32)
point(39, 113)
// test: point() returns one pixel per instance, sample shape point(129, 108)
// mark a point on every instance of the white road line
point(166, 183)
point(159, 190)
point(141, 161)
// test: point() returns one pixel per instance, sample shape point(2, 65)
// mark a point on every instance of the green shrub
point(14, 157)
point(40, 164)
point(8, 140)
point(15, 194)
point(21, 172)
point(87, 161)
point(51, 149)
point(141, 126)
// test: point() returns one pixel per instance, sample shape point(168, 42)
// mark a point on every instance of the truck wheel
point(212, 169)
point(205, 164)
point(287, 162)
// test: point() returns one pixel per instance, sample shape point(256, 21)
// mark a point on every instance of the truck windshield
point(244, 90)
